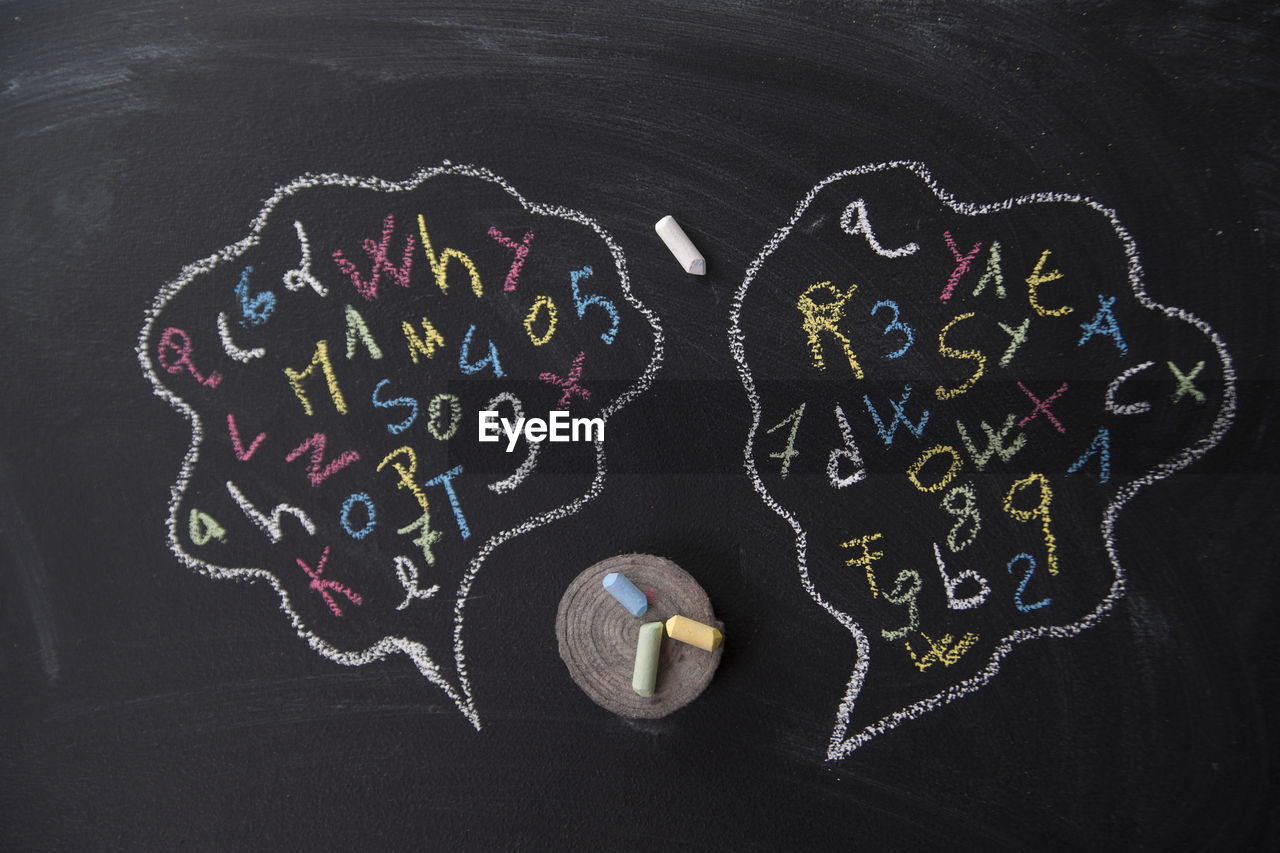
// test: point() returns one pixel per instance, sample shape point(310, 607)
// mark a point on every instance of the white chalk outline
point(417, 652)
point(841, 746)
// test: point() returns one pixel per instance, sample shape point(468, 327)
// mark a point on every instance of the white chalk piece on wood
point(681, 246)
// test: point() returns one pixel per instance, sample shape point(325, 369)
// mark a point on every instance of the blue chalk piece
point(627, 593)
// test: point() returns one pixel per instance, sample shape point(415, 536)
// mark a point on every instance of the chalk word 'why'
point(557, 426)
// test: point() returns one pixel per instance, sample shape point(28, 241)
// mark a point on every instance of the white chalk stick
point(680, 245)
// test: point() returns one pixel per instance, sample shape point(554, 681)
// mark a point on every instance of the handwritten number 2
point(1022, 585)
point(895, 325)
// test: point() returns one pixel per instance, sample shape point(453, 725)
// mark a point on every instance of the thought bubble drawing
point(334, 366)
point(952, 403)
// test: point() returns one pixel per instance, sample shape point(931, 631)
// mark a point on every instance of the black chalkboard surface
point(964, 432)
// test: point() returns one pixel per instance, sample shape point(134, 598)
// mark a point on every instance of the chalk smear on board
point(28, 565)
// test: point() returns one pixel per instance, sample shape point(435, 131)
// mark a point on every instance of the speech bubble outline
point(841, 744)
point(461, 694)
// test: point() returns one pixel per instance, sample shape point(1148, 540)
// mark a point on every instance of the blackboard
point(964, 432)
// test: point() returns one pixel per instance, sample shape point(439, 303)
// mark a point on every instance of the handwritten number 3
point(895, 325)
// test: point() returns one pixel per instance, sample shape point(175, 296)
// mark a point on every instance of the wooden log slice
point(597, 636)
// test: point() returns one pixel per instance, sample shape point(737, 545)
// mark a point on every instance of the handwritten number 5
point(582, 303)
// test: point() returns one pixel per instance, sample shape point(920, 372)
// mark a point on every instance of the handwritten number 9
point(1041, 511)
point(906, 589)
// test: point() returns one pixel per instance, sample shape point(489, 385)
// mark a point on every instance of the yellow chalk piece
point(694, 633)
point(644, 677)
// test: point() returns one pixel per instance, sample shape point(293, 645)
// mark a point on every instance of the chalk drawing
point(1050, 281)
point(394, 262)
